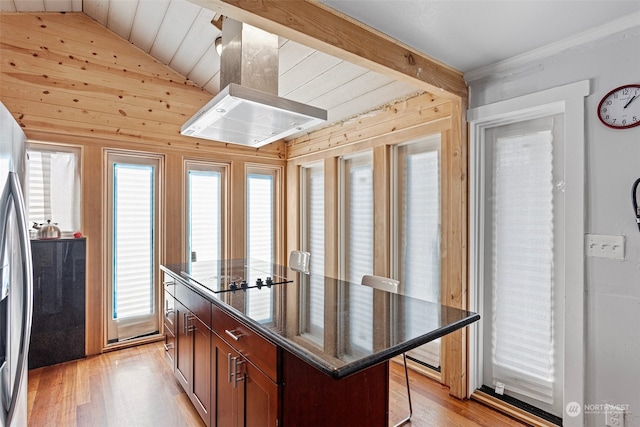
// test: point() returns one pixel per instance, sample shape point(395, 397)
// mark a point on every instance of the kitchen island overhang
point(291, 306)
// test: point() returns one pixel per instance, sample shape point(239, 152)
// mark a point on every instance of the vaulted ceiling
point(466, 34)
point(180, 34)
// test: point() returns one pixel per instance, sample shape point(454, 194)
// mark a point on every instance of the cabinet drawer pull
point(232, 335)
point(168, 347)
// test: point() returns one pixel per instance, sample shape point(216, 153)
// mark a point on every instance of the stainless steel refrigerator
point(16, 278)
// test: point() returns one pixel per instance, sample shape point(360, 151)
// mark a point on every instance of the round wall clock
point(620, 108)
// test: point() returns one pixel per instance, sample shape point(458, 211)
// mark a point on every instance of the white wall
point(612, 307)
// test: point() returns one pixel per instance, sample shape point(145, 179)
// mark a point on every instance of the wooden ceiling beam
point(323, 29)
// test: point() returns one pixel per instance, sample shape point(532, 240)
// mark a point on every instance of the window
point(261, 228)
point(53, 186)
point(133, 206)
point(312, 230)
point(205, 214)
point(356, 224)
point(416, 210)
point(261, 215)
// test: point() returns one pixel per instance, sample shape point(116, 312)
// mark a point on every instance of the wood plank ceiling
point(179, 33)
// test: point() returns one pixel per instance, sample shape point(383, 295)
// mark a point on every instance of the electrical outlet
point(613, 416)
point(605, 246)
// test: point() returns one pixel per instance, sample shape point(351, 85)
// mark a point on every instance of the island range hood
point(248, 110)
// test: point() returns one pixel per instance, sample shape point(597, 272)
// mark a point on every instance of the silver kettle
point(47, 231)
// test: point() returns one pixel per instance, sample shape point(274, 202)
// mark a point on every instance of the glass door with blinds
point(312, 241)
point(523, 247)
point(416, 227)
point(261, 229)
point(132, 245)
point(356, 247)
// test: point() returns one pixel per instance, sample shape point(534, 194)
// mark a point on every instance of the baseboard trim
point(510, 410)
point(133, 342)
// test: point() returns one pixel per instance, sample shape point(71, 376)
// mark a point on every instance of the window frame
point(207, 166)
point(432, 143)
point(307, 331)
point(110, 157)
point(78, 150)
point(567, 100)
point(276, 173)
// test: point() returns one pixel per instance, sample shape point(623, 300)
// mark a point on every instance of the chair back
point(382, 283)
point(299, 261)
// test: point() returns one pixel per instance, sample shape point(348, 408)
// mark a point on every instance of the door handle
point(12, 194)
point(187, 323)
point(232, 370)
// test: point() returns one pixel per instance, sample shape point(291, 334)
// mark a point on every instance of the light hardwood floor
point(134, 387)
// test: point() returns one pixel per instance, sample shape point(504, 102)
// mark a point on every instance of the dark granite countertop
point(338, 327)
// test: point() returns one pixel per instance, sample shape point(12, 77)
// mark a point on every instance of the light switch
point(603, 246)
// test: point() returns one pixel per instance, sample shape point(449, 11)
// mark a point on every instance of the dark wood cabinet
point(260, 402)
point(192, 352)
point(58, 325)
point(243, 395)
point(169, 329)
point(184, 347)
point(201, 379)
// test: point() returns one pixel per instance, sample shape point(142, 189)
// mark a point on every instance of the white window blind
point(260, 236)
point(417, 166)
point(133, 252)
point(358, 246)
point(522, 242)
point(132, 240)
point(313, 242)
point(53, 187)
point(204, 222)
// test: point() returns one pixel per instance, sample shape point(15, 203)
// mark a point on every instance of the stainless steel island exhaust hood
point(248, 110)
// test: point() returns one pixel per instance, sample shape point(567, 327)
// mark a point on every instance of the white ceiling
point(469, 34)
point(462, 34)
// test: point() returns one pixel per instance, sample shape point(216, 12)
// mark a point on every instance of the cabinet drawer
point(252, 346)
point(169, 313)
point(169, 284)
point(194, 303)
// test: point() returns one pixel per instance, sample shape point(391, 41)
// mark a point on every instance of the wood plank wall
point(68, 80)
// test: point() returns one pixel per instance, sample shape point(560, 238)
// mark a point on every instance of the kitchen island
point(255, 343)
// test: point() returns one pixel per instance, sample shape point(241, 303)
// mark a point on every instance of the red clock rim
point(605, 97)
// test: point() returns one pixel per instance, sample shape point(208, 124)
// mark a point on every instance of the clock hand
point(630, 101)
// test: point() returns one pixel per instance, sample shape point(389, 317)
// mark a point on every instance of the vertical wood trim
point(92, 220)
point(292, 204)
point(280, 234)
point(331, 241)
point(175, 247)
point(237, 211)
point(381, 211)
point(454, 248)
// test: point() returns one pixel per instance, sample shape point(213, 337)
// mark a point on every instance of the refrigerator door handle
point(13, 193)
